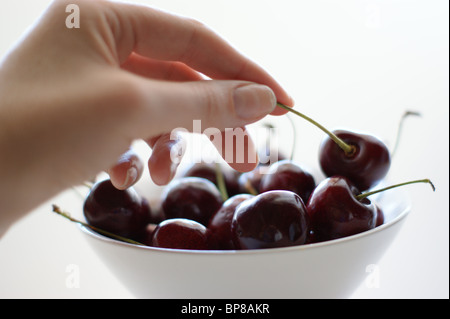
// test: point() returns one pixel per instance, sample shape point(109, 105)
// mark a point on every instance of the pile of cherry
point(212, 207)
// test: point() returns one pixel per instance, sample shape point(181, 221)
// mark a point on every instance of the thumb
point(217, 104)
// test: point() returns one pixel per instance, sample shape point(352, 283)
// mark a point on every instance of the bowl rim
point(405, 211)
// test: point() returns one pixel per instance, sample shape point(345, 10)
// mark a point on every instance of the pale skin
point(72, 101)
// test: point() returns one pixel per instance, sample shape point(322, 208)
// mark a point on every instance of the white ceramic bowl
point(331, 269)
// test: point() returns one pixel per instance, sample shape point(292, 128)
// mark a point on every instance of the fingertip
point(237, 148)
point(161, 171)
point(127, 171)
point(167, 153)
point(160, 177)
point(243, 167)
point(287, 101)
point(125, 180)
point(252, 101)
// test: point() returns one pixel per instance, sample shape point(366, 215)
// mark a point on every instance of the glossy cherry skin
point(180, 233)
point(208, 171)
point(192, 198)
point(121, 212)
point(249, 182)
point(335, 212)
point(365, 168)
point(288, 175)
point(220, 224)
point(269, 220)
point(380, 215)
point(147, 236)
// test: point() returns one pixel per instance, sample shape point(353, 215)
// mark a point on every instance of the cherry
point(380, 215)
point(180, 233)
point(337, 209)
point(365, 166)
point(60, 212)
point(363, 159)
point(209, 171)
point(220, 224)
point(147, 236)
point(290, 176)
point(271, 219)
point(192, 198)
point(121, 212)
point(335, 212)
point(250, 182)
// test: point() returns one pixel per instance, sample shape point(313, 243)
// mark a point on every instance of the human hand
point(72, 101)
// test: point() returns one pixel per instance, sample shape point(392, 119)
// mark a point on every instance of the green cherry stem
point(367, 194)
point(58, 211)
point(221, 182)
point(249, 187)
point(348, 149)
point(400, 129)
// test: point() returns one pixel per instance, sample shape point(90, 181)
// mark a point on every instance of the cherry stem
point(58, 211)
point(400, 128)
point(249, 187)
point(88, 184)
point(348, 149)
point(367, 194)
point(221, 182)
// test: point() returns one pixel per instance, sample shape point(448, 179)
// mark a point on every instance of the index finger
point(165, 36)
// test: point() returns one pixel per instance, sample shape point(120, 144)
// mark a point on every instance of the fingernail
point(253, 101)
point(132, 175)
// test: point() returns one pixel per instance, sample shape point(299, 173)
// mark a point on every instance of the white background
point(357, 64)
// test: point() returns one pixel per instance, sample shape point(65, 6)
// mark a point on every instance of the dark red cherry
point(380, 215)
point(365, 166)
point(147, 236)
point(337, 208)
point(361, 158)
point(192, 198)
point(335, 212)
point(180, 233)
point(311, 239)
point(269, 220)
point(209, 171)
point(290, 176)
point(220, 224)
point(121, 212)
point(249, 182)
